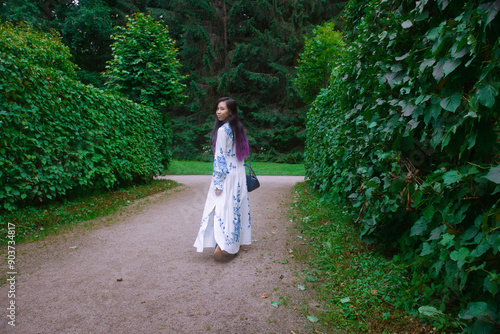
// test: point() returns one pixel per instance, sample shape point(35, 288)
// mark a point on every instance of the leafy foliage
point(145, 68)
point(36, 48)
point(407, 134)
point(315, 64)
point(58, 135)
point(86, 30)
point(360, 290)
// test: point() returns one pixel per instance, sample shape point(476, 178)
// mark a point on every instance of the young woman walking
point(226, 223)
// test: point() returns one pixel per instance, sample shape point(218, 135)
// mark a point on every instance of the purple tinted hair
point(239, 135)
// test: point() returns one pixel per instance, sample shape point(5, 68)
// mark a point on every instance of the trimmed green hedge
point(408, 135)
point(57, 134)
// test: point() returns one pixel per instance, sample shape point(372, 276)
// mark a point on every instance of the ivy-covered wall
point(408, 135)
point(57, 134)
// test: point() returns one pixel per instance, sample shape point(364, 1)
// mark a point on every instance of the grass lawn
point(260, 168)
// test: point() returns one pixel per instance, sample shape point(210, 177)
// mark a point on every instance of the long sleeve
point(220, 162)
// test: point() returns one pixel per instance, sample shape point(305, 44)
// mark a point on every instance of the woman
point(226, 218)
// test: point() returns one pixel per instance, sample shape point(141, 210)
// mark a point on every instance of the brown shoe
point(222, 256)
point(218, 255)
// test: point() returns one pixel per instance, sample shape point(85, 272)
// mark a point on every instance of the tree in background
point(315, 64)
point(248, 50)
point(144, 67)
point(85, 27)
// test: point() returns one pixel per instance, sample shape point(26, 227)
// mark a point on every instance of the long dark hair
point(239, 135)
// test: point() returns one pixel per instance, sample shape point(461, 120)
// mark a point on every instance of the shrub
point(407, 134)
point(145, 68)
point(59, 135)
point(315, 64)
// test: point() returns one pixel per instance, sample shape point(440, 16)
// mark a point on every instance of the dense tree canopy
point(248, 50)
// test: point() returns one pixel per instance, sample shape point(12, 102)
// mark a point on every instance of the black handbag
point(252, 181)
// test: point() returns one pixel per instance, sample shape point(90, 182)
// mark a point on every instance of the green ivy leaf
point(451, 103)
point(443, 4)
point(494, 175)
point(426, 249)
point(438, 71)
point(475, 310)
point(486, 94)
point(406, 24)
point(447, 240)
point(434, 33)
point(491, 283)
point(275, 304)
point(451, 177)
point(490, 8)
point(426, 63)
point(419, 227)
point(460, 255)
point(428, 213)
point(450, 65)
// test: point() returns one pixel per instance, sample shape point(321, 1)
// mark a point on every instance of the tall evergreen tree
point(247, 50)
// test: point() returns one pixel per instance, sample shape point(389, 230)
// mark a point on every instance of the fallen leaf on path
point(119, 279)
point(312, 318)
point(275, 304)
point(264, 296)
point(301, 287)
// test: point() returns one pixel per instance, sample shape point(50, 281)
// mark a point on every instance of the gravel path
point(139, 273)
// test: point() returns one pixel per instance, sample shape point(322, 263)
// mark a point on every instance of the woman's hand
point(218, 192)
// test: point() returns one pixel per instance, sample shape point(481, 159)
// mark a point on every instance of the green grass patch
point(261, 168)
point(36, 222)
point(359, 288)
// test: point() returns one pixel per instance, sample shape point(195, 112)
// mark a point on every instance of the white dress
point(226, 218)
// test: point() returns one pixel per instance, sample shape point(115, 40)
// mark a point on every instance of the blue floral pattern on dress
point(226, 217)
point(221, 168)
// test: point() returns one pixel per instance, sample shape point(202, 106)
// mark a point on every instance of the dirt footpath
point(139, 272)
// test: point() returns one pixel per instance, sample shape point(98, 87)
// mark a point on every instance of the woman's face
point(222, 112)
